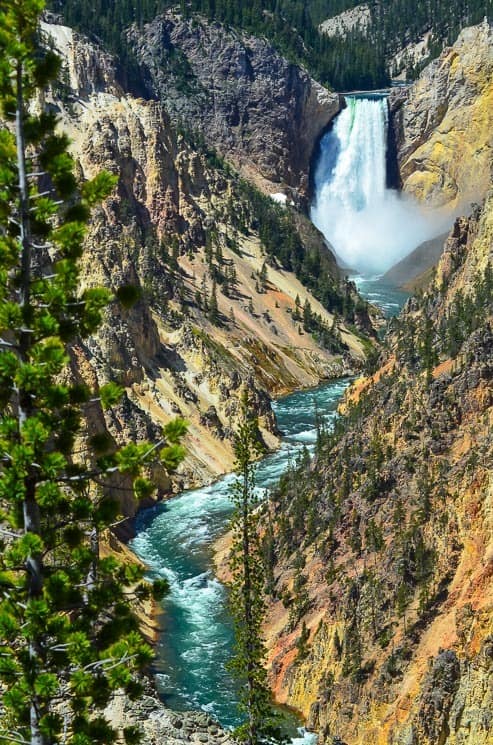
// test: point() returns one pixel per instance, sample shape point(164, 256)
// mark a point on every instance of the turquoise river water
point(175, 539)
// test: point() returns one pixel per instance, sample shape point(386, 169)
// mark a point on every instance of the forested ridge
point(365, 544)
point(358, 61)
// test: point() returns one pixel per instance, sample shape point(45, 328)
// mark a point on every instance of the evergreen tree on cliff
point(246, 600)
point(68, 638)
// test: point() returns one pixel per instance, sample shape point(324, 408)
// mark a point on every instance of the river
point(175, 538)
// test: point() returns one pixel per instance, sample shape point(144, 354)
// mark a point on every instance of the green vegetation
point(420, 345)
point(357, 62)
point(68, 637)
point(246, 601)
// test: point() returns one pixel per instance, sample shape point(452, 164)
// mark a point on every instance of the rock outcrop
point(260, 111)
point(357, 19)
point(381, 624)
point(444, 124)
point(162, 726)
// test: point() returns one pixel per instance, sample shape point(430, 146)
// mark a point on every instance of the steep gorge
point(223, 272)
point(370, 518)
point(381, 620)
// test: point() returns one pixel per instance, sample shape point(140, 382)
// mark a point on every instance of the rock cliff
point(221, 298)
point(381, 621)
point(262, 112)
point(444, 124)
point(354, 19)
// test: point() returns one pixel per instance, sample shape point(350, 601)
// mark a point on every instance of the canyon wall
point(443, 125)
point(217, 312)
point(262, 112)
point(381, 619)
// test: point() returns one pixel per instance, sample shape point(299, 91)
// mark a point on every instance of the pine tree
point(297, 309)
point(307, 315)
point(219, 254)
point(175, 254)
point(209, 249)
point(213, 307)
point(68, 638)
point(246, 602)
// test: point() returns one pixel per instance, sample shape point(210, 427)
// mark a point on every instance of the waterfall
point(370, 227)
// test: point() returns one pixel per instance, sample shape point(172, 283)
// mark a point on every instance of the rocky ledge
point(162, 726)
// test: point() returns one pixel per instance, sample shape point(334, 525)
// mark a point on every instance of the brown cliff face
point(260, 111)
point(382, 622)
point(444, 124)
point(179, 227)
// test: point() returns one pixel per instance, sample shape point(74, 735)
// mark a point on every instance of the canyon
point(401, 533)
point(181, 223)
point(381, 601)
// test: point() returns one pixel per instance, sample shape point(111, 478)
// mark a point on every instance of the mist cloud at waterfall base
point(374, 239)
point(370, 227)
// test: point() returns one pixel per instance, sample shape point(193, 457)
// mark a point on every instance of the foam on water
point(387, 297)
point(305, 738)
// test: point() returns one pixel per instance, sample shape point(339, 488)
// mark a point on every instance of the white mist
point(370, 227)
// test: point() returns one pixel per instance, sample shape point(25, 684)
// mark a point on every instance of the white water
point(370, 227)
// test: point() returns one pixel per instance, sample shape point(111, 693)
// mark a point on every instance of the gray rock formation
point(239, 93)
point(354, 19)
point(455, 705)
point(162, 726)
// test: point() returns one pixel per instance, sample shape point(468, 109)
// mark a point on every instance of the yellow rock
point(446, 153)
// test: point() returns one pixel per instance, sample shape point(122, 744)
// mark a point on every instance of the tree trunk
point(31, 514)
point(247, 597)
